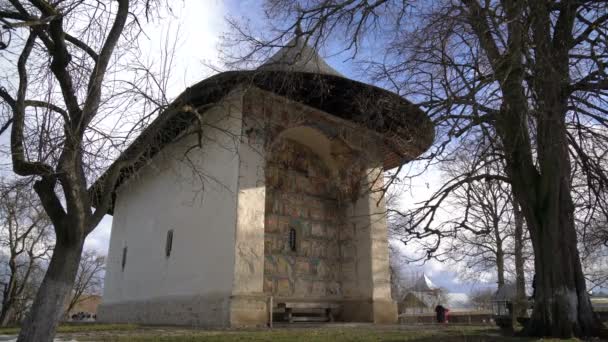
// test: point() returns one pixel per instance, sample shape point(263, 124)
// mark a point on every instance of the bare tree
point(482, 299)
point(526, 78)
point(489, 231)
point(595, 254)
point(74, 96)
point(482, 230)
point(26, 237)
point(89, 279)
point(591, 218)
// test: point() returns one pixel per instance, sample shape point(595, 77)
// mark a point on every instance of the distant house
point(424, 296)
point(421, 298)
point(418, 303)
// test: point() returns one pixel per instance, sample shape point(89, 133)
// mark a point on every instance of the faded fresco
point(300, 196)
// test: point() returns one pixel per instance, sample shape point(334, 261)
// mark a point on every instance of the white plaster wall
point(251, 206)
point(197, 201)
point(368, 217)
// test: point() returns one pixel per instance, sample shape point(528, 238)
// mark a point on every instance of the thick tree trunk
point(562, 306)
point(541, 186)
point(41, 323)
point(520, 278)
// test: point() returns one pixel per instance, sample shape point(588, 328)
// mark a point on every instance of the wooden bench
point(307, 307)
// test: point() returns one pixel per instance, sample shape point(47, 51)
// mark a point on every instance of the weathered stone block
point(283, 266)
point(319, 288)
point(305, 248)
point(290, 209)
point(316, 214)
point(322, 269)
point(269, 243)
point(278, 244)
point(302, 266)
point(333, 250)
point(269, 265)
point(287, 182)
point(348, 270)
point(334, 289)
point(271, 224)
point(303, 287)
point(347, 250)
point(283, 225)
point(317, 229)
point(331, 232)
point(278, 207)
point(303, 183)
point(273, 180)
point(318, 249)
point(302, 212)
point(268, 284)
point(347, 232)
point(283, 287)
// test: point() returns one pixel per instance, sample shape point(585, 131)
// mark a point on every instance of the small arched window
point(292, 239)
point(169, 243)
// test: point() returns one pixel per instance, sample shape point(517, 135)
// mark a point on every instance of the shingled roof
point(297, 56)
point(296, 72)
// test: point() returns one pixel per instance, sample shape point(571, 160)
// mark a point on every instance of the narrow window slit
point(124, 257)
point(292, 239)
point(169, 243)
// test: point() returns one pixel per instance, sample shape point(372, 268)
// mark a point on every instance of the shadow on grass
point(135, 333)
point(398, 334)
point(77, 327)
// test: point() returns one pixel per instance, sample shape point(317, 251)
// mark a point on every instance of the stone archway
point(318, 187)
point(302, 200)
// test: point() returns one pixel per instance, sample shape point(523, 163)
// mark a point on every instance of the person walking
point(440, 312)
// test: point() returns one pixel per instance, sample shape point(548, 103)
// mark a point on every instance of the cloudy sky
point(199, 25)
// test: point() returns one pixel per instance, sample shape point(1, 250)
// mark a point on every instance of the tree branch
point(21, 166)
point(95, 82)
point(80, 44)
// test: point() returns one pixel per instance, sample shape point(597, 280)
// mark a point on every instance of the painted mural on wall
point(304, 193)
point(300, 196)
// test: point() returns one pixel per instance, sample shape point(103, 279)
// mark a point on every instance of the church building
point(258, 188)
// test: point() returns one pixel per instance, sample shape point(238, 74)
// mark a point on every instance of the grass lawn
point(79, 328)
point(337, 333)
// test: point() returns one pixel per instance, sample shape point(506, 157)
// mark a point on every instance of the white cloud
point(197, 26)
point(200, 25)
point(99, 238)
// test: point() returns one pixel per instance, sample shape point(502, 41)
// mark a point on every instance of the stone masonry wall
point(300, 195)
point(335, 271)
